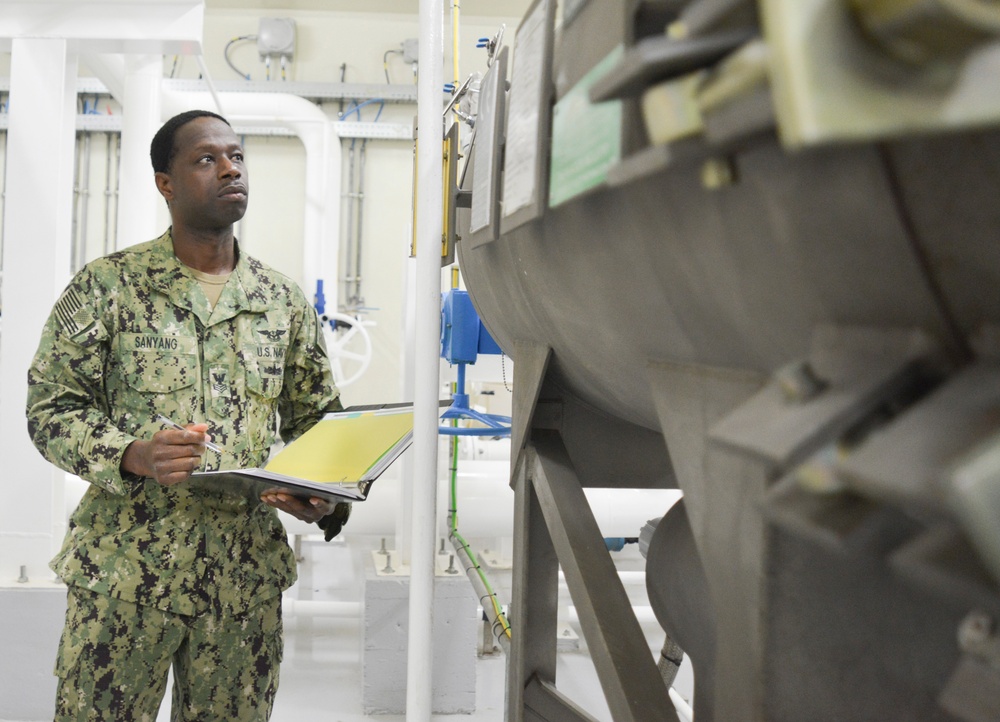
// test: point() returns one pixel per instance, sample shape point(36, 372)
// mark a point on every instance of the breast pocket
point(265, 368)
point(160, 375)
point(264, 371)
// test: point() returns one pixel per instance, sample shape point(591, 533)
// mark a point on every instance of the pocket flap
point(159, 363)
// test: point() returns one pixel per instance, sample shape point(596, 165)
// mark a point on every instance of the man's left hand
point(310, 512)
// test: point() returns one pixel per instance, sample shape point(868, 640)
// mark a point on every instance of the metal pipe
point(290, 606)
point(633, 578)
point(349, 255)
point(420, 658)
point(80, 257)
point(455, 15)
point(684, 710)
point(74, 221)
point(472, 571)
point(117, 194)
point(644, 615)
point(110, 137)
point(359, 299)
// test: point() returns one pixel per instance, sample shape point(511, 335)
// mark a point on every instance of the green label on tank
point(586, 137)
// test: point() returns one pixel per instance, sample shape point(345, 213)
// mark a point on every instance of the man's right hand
point(170, 456)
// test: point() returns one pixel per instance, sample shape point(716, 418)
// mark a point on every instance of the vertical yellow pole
point(455, 11)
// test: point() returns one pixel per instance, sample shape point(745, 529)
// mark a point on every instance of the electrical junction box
point(463, 336)
point(276, 36)
point(410, 50)
point(459, 328)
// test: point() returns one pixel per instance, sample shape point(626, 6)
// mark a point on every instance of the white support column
point(140, 120)
point(404, 517)
point(36, 264)
point(420, 658)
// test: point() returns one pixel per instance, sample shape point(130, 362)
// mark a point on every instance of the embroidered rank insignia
point(220, 384)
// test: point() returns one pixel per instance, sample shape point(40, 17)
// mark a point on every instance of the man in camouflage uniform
point(162, 570)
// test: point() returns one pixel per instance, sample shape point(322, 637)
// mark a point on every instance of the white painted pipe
point(109, 68)
point(137, 217)
point(643, 614)
point(292, 607)
point(681, 705)
point(420, 658)
point(633, 578)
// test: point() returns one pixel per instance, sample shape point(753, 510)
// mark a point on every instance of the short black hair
point(162, 150)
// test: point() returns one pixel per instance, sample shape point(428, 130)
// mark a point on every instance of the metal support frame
point(534, 601)
point(634, 690)
point(544, 702)
point(554, 525)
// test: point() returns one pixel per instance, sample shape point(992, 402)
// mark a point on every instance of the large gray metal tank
point(900, 235)
point(801, 333)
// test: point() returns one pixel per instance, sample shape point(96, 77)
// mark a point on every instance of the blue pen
point(171, 424)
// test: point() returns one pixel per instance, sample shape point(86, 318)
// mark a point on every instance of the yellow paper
point(342, 448)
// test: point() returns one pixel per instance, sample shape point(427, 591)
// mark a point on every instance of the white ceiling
point(472, 8)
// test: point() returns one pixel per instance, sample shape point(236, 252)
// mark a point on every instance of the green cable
point(453, 508)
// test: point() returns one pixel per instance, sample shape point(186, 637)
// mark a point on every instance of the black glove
point(331, 524)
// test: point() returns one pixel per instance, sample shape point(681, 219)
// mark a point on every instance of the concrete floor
point(321, 675)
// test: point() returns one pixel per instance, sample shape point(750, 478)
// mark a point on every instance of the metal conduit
point(358, 299)
point(80, 240)
point(115, 195)
point(74, 222)
point(473, 571)
point(355, 196)
point(349, 250)
point(81, 192)
point(107, 195)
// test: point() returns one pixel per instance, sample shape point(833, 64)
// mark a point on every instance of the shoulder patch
point(72, 314)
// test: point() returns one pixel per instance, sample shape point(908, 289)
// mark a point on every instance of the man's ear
point(164, 185)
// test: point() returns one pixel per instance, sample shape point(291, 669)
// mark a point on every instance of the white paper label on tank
point(520, 176)
point(484, 161)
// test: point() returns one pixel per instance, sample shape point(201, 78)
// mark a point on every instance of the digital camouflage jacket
point(131, 337)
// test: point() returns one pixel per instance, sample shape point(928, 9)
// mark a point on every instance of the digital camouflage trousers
point(114, 657)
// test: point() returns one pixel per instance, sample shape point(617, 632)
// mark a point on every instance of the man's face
point(206, 186)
